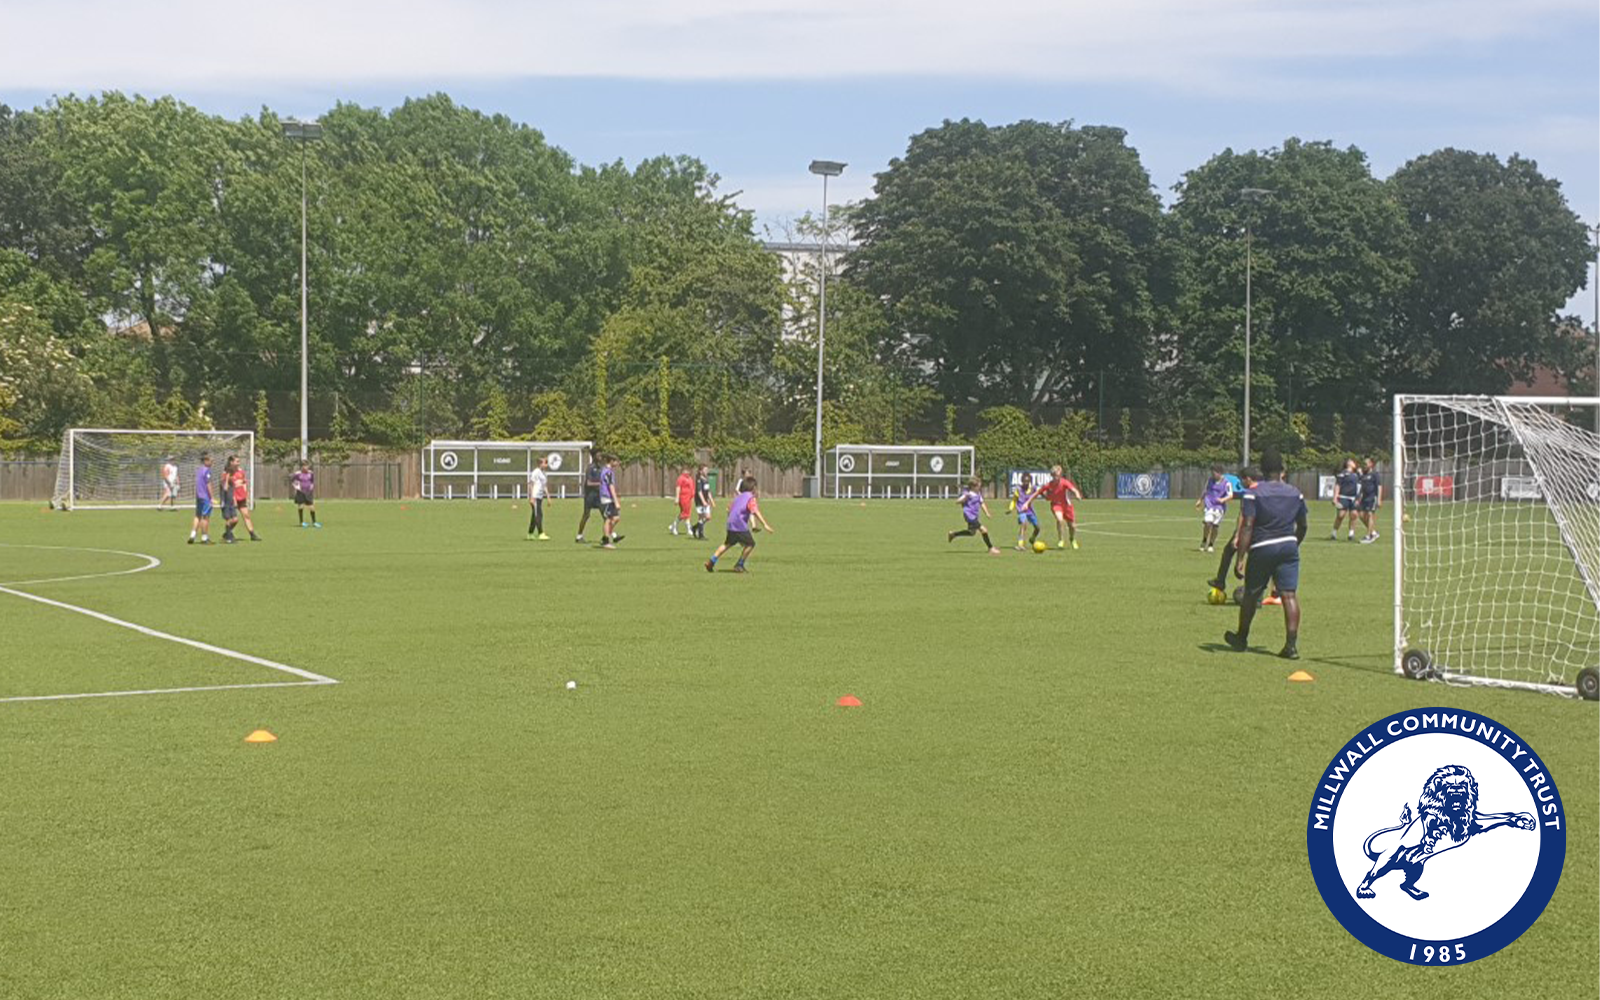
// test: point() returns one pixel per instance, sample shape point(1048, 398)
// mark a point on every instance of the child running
point(1056, 491)
point(744, 508)
point(972, 503)
point(1022, 500)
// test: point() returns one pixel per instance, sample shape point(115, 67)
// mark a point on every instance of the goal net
point(1497, 552)
point(103, 469)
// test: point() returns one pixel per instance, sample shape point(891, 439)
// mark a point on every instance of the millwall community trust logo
point(1436, 836)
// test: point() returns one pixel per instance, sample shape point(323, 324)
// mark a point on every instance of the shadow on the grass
point(1222, 647)
point(1365, 664)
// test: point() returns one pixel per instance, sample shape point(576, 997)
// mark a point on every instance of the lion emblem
point(1447, 817)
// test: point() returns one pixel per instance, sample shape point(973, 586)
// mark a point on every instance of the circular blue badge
point(1436, 836)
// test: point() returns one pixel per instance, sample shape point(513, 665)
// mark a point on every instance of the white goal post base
point(121, 468)
point(1496, 522)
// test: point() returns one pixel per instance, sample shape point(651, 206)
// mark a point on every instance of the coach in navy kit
point(1272, 524)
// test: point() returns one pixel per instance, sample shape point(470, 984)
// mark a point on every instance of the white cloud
point(90, 44)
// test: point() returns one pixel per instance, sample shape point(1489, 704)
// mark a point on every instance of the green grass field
point(1056, 786)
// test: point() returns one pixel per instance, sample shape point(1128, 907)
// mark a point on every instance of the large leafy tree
point(1326, 246)
point(698, 317)
point(1017, 263)
point(1496, 253)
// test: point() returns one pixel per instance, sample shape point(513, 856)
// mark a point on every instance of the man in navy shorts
point(1272, 524)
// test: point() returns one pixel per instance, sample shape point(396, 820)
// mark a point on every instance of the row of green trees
point(468, 278)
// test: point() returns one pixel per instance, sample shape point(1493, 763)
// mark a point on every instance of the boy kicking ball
point(744, 508)
point(1022, 501)
point(971, 505)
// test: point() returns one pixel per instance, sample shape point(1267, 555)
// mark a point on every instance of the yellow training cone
point(261, 736)
point(1301, 675)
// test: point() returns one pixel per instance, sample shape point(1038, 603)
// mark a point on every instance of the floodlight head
point(302, 130)
point(1253, 193)
point(827, 168)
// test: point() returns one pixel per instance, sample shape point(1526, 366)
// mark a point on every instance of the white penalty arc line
point(152, 562)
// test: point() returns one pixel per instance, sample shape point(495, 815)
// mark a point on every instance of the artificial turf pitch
point(1057, 785)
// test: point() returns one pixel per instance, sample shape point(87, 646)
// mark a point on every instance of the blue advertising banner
point(1142, 485)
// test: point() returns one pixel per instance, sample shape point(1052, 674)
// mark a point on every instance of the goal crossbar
point(113, 468)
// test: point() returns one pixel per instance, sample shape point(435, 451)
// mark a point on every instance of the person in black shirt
point(1272, 524)
point(702, 501)
point(1371, 500)
point(1344, 504)
point(591, 490)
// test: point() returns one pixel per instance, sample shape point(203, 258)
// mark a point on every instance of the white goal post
point(120, 468)
point(898, 471)
point(1496, 508)
point(490, 470)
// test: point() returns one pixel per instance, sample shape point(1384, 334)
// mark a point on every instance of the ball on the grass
point(1216, 595)
point(572, 685)
point(1040, 547)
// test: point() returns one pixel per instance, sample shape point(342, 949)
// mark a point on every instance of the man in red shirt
point(685, 500)
point(1057, 491)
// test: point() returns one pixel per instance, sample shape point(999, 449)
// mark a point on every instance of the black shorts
point(973, 524)
point(1277, 564)
point(1368, 504)
point(242, 504)
point(744, 538)
point(229, 510)
point(301, 500)
point(1346, 503)
point(591, 500)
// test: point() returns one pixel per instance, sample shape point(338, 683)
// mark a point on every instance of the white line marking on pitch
point(208, 687)
point(151, 562)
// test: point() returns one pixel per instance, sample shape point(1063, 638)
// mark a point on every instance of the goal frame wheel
point(1589, 684)
point(1417, 665)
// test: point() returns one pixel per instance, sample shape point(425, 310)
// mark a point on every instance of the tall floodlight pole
point(825, 168)
point(303, 132)
point(1251, 195)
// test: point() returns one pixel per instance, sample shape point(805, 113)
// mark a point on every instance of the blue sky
point(758, 88)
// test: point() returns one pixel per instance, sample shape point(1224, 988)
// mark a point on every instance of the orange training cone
point(261, 736)
point(849, 701)
point(1301, 675)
